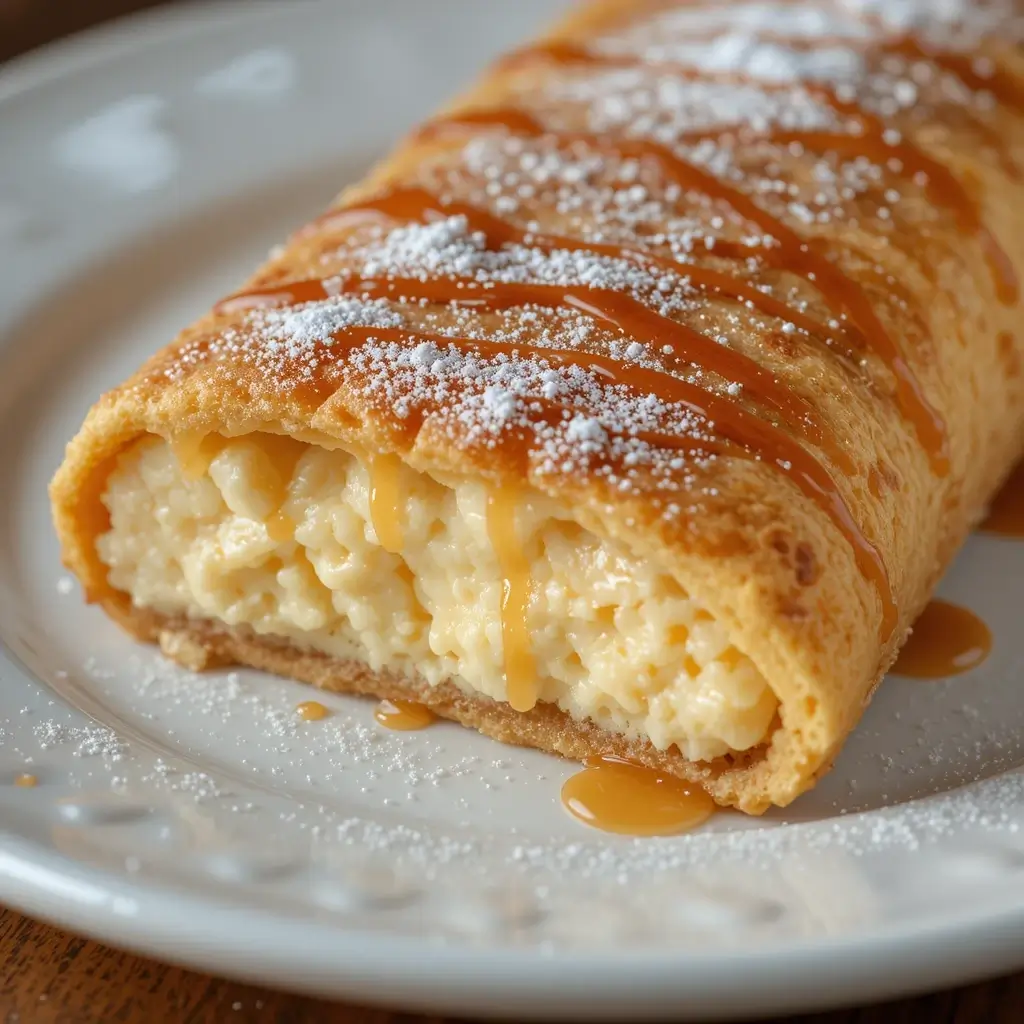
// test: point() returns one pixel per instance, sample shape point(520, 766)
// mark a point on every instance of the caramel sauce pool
point(618, 796)
point(1006, 515)
point(311, 711)
point(946, 641)
point(403, 715)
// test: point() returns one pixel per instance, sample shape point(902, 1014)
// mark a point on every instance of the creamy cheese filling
point(279, 536)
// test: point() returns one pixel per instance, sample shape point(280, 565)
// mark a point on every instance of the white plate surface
point(144, 170)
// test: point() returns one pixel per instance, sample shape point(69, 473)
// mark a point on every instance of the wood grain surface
point(50, 977)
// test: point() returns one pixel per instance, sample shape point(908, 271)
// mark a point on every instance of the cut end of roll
point(500, 594)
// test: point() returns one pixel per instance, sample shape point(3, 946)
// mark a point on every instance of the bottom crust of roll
point(732, 781)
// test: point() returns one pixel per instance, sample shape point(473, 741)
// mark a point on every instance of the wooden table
point(49, 976)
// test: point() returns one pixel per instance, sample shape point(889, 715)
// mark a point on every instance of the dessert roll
point(634, 406)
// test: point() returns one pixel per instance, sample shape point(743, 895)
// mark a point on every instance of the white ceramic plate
point(144, 170)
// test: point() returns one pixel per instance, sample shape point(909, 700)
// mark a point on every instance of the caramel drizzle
point(195, 450)
point(622, 312)
point(1005, 87)
point(385, 501)
point(790, 252)
point(516, 583)
point(418, 205)
point(942, 186)
point(870, 141)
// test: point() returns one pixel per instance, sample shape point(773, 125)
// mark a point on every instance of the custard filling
point(499, 592)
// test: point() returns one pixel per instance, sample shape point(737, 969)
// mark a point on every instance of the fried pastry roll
point(634, 406)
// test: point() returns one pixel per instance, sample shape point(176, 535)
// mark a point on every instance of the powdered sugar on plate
point(232, 742)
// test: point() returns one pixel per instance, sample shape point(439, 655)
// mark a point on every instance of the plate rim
point(108, 40)
point(332, 961)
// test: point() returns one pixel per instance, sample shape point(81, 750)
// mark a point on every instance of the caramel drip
point(790, 252)
point(516, 583)
point(281, 454)
point(311, 711)
point(386, 501)
point(1006, 513)
point(619, 796)
point(403, 715)
point(946, 640)
point(280, 527)
point(195, 450)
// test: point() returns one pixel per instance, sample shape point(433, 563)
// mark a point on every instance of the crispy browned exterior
point(765, 561)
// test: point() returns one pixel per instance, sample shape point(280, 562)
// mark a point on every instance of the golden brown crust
point(756, 553)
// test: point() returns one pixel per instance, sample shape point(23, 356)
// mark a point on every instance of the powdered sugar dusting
point(85, 741)
point(411, 251)
point(944, 19)
point(804, 41)
point(352, 786)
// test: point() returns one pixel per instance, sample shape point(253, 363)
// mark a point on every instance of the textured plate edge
point(325, 960)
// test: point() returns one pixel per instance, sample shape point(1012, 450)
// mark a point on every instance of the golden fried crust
point(755, 551)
